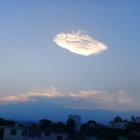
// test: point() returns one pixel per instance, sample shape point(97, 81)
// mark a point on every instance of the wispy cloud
point(90, 99)
point(30, 96)
point(102, 96)
point(93, 95)
point(119, 100)
point(80, 43)
point(14, 98)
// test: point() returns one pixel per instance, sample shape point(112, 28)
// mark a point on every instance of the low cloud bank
point(89, 99)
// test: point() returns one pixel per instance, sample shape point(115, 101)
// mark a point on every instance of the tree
point(84, 127)
point(6, 122)
point(70, 125)
point(91, 123)
point(45, 123)
point(59, 126)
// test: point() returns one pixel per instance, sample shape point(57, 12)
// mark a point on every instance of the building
point(137, 119)
point(133, 119)
point(27, 133)
point(118, 123)
point(77, 120)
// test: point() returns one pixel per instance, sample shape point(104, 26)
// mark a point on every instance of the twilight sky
point(76, 53)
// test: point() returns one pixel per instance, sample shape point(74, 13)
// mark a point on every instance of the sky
point(81, 54)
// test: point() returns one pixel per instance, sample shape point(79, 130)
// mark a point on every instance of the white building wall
point(18, 136)
point(54, 136)
point(118, 125)
point(137, 119)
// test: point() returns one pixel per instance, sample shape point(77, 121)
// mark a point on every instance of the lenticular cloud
point(80, 43)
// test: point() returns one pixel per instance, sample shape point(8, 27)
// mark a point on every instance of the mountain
point(39, 110)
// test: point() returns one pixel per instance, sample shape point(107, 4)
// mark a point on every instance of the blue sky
point(32, 62)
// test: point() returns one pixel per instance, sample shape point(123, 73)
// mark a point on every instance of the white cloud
point(80, 43)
